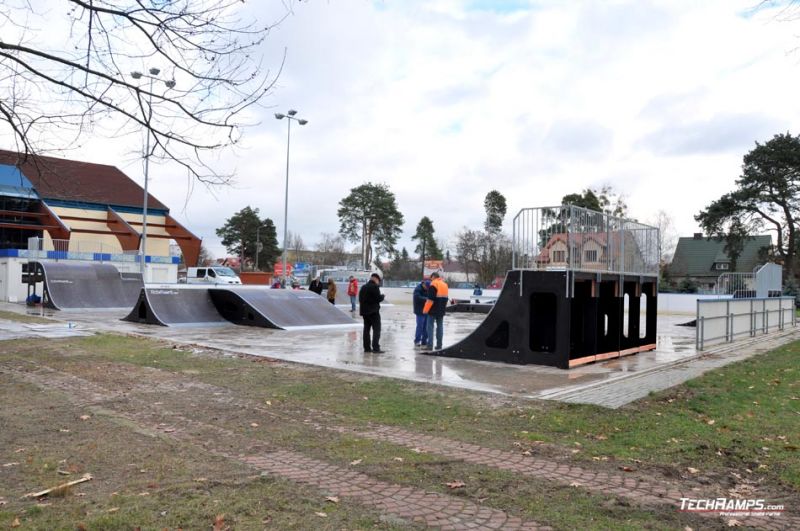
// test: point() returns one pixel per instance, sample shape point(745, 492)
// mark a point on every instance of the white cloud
point(446, 100)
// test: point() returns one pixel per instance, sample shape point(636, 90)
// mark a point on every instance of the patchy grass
point(25, 318)
point(745, 416)
point(741, 419)
point(139, 480)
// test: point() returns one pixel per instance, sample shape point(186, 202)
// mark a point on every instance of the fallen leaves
point(321, 514)
point(711, 422)
point(355, 462)
point(398, 459)
point(219, 523)
point(85, 417)
point(456, 484)
point(332, 499)
point(692, 470)
point(626, 468)
point(12, 463)
point(254, 424)
point(15, 523)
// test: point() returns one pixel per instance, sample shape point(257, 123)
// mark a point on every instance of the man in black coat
point(316, 286)
point(369, 302)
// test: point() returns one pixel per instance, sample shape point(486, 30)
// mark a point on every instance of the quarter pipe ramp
point(168, 306)
point(88, 286)
point(277, 308)
point(218, 305)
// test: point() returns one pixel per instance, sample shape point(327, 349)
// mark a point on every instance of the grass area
point(743, 419)
point(25, 318)
point(140, 481)
point(745, 416)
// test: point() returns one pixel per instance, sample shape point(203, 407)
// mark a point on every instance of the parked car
point(212, 275)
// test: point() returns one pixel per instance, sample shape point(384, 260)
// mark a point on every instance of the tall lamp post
point(170, 83)
point(258, 243)
point(290, 114)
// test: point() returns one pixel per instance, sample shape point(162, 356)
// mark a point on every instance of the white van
point(213, 275)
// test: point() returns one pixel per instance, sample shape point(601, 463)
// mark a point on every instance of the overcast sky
point(445, 100)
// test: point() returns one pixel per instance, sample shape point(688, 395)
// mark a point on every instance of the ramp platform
point(87, 286)
point(167, 306)
point(277, 308)
point(564, 319)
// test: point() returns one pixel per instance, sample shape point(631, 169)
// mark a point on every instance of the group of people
point(352, 290)
point(430, 304)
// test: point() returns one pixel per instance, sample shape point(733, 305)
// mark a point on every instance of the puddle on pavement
point(343, 349)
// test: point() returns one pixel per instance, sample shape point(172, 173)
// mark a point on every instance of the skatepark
point(340, 346)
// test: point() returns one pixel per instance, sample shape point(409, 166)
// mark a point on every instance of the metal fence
point(51, 249)
point(765, 280)
point(723, 321)
point(573, 238)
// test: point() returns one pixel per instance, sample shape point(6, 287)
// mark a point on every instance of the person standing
point(419, 298)
point(352, 292)
point(316, 285)
point(331, 291)
point(434, 308)
point(369, 302)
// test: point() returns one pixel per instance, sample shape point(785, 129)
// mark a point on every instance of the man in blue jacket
point(434, 308)
point(420, 296)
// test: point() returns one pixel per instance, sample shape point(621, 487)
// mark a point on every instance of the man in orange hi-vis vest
point(435, 308)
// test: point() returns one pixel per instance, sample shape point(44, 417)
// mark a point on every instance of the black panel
point(552, 317)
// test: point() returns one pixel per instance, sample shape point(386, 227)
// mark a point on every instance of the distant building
point(59, 209)
point(701, 260)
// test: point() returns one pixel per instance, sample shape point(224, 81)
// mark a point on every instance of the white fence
point(723, 321)
point(764, 281)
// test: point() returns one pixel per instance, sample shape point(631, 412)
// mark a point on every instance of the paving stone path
point(408, 503)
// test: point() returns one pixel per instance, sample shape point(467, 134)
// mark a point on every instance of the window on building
point(559, 256)
point(590, 256)
point(722, 267)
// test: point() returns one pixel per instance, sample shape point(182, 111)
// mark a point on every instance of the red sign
point(278, 269)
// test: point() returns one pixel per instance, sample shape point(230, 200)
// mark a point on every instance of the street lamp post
point(170, 83)
point(290, 114)
point(258, 243)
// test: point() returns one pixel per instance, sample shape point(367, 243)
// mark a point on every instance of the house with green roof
point(702, 260)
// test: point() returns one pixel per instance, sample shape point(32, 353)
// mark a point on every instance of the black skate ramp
point(564, 319)
point(167, 306)
point(69, 286)
point(277, 308)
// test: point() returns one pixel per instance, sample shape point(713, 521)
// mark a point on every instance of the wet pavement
point(342, 349)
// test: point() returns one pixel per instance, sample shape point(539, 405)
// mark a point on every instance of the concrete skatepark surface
point(342, 349)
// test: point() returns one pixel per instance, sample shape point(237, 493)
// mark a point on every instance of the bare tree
point(66, 74)
point(296, 246)
point(468, 247)
point(331, 249)
point(668, 235)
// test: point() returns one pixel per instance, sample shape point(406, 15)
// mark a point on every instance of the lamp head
point(154, 71)
point(302, 122)
point(280, 116)
point(136, 74)
point(291, 112)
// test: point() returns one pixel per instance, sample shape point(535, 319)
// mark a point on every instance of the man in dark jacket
point(434, 308)
point(369, 302)
point(420, 296)
point(316, 286)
